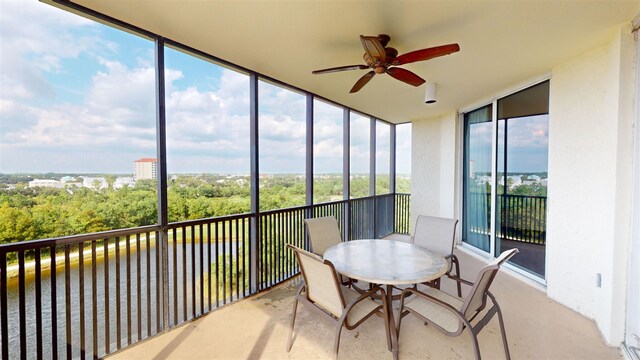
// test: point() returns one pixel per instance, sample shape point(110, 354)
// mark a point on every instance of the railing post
point(163, 239)
point(309, 151)
point(4, 325)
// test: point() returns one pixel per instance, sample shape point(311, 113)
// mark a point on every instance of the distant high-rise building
point(146, 168)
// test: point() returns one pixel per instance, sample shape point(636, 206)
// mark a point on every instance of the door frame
point(632, 327)
point(460, 170)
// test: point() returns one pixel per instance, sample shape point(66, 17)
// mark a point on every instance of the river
point(126, 301)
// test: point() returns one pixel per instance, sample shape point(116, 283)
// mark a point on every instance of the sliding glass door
point(515, 183)
point(476, 220)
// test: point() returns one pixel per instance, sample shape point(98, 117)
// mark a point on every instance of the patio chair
point(451, 315)
point(323, 233)
point(438, 234)
point(321, 292)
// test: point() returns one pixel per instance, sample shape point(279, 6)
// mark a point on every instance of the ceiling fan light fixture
point(382, 59)
point(430, 93)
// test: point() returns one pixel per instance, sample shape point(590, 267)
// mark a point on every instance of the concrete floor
point(257, 328)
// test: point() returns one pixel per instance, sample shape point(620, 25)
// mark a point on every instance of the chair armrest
point(427, 297)
point(460, 280)
point(365, 295)
point(444, 305)
point(368, 294)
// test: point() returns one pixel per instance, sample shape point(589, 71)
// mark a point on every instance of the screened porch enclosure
point(239, 161)
point(188, 258)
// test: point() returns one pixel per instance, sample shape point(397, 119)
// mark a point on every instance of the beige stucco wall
point(590, 161)
point(433, 166)
point(581, 168)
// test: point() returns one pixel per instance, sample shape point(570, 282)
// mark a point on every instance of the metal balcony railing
point(91, 295)
point(520, 218)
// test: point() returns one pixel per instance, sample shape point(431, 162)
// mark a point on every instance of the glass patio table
point(386, 262)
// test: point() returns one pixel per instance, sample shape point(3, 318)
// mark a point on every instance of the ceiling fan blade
point(405, 76)
point(340, 68)
point(362, 81)
point(426, 54)
point(373, 47)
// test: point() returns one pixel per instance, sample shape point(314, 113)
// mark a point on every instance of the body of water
point(123, 317)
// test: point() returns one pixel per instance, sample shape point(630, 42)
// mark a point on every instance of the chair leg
point(399, 320)
point(476, 347)
point(454, 260)
point(387, 327)
point(336, 345)
point(504, 334)
point(293, 320)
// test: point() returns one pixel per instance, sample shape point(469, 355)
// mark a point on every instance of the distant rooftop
point(147, 160)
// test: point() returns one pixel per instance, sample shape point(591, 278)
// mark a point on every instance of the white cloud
point(115, 115)
point(34, 39)
point(383, 146)
point(108, 121)
point(359, 141)
point(360, 133)
point(529, 132)
point(120, 96)
point(211, 126)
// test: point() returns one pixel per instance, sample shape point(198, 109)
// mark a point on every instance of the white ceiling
point(503, 43)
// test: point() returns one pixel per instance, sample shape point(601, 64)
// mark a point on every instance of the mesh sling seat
point(321, 292)
point(323, 233)
point(451, 315)
point(438, 234)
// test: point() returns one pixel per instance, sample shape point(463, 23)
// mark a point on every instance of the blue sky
point(78, 96)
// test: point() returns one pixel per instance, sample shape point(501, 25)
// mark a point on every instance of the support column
point(163, 215)
point(309, 155)
point(346, 172)
point(255, 234)
point(372, 176)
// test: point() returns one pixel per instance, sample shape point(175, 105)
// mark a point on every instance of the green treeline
point(39, 213)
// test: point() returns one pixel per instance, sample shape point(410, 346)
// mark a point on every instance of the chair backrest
point(323, 233)
point(321, 281)
point(435, 233)
point(477, 298)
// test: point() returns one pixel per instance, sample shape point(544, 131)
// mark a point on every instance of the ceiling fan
point(383, 59)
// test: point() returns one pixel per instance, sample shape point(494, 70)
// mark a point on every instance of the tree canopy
point(39, 213)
